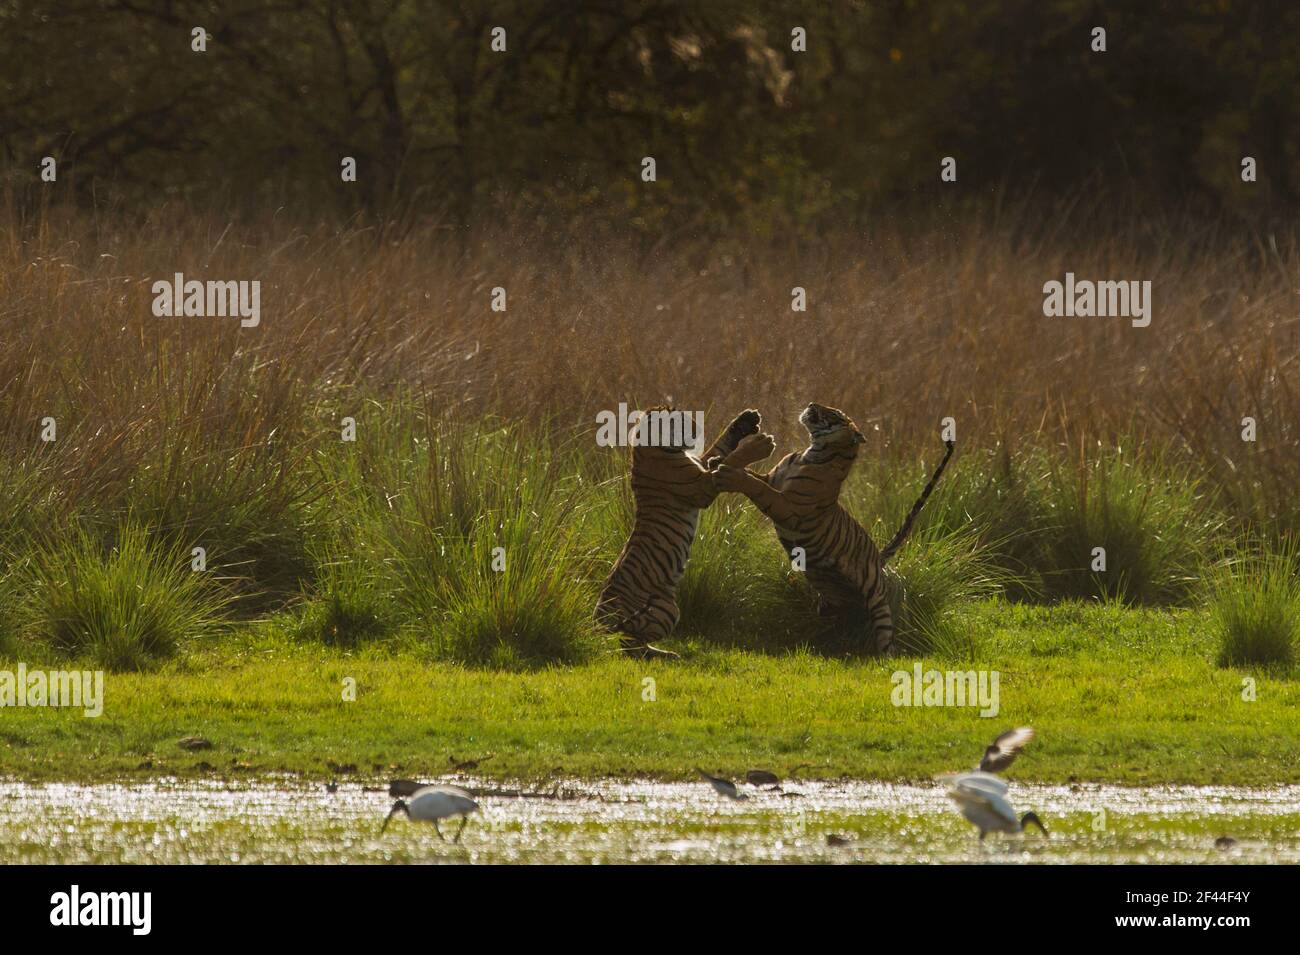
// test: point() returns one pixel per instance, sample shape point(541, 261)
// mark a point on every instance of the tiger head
point(664, 429)
point(660, 462)
point(830, 427)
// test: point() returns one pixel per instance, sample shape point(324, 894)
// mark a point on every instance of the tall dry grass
point(198, 428)
point(907, 323)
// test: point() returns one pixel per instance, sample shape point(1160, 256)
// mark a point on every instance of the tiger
point(800, 495)
point(669, 488)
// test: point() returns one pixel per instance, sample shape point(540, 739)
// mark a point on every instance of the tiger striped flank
point(669, 488)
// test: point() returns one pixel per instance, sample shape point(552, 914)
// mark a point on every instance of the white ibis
point(1005, 749)
point(432, 803)
point(982, 798)
point(723, 787)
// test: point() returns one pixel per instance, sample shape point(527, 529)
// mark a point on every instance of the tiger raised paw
point(752, 449)
point(669, 488)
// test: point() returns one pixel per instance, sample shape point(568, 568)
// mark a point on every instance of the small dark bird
point(459, 765)
point(723, 787)
point(332, 786)
point(1224, 843)
point(401, 788)
point(761, 777)
point(193, 743)
point(835, 839)
point(1005, 749)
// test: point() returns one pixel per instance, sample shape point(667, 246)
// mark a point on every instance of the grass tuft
point(932, 580)
point(477, 533)
point(348, 607)
point(124, 607)
point(1255, 606)
point(739, 589)
point(1151, 518)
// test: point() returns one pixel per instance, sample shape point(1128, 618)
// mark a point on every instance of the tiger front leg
point(778, 508)
point(741, 426)
point(701, 490)
point(751, 449)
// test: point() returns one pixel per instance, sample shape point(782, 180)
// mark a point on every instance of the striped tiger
point(669, 488)
point(800, 495)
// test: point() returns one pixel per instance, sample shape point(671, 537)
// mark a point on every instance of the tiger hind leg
point(654, 621)
point(635, 648)
point(873, 615)
point(882, 627)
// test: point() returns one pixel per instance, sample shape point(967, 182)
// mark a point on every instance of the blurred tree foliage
point(746, 132)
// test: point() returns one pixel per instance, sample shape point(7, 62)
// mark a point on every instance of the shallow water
point(637, 821)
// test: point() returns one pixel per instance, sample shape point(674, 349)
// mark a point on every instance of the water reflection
point(638, 821)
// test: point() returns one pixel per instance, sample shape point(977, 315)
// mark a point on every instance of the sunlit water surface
point(638, 821)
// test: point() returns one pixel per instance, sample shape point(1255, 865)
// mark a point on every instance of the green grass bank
point(1117, 694)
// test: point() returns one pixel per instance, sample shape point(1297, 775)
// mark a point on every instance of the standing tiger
point(801, 496)
point(669, 488)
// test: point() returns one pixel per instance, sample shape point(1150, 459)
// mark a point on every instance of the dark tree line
point(744, 129)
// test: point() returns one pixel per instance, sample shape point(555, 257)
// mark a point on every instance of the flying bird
point(1004, 750)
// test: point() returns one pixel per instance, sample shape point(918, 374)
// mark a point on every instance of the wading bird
point(762, 777)
point(982, 798)
point(433, 803)
point(723, 787)
point(1005, 749)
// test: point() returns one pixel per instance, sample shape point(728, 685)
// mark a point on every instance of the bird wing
point(979, 783)
point(442, 800)
point(453, 791)
point(982, 790)
point(1005, 749)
